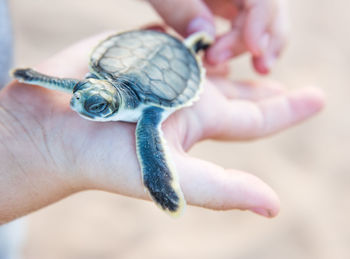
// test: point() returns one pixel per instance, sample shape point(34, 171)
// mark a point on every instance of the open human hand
point(257, 26)
point(48, 152)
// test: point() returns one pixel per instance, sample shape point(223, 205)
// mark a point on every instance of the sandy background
point(308, 166)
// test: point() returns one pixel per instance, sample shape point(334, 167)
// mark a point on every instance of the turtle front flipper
point(159, 177)
point(30, 76)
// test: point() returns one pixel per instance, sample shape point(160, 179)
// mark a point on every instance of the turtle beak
point(76, 106)
point(74, 102)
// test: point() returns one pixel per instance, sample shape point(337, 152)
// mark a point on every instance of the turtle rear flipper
point(198, 41)
point(30, 76)
point(159, 176)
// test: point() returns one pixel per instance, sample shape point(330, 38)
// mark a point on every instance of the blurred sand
point(308, 166)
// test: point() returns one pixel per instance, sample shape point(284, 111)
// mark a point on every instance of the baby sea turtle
point(138, 76)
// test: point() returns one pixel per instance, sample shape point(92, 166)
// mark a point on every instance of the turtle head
point(95, 99)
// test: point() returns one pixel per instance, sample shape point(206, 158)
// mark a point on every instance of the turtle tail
point(199, 41)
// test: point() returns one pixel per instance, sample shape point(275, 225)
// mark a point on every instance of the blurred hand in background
point(48, 152)
point(257, 26)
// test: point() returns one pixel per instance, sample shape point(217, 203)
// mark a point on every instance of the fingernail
point(201, 24)
point(270, 61)
point(264, 43)
point(262, 212)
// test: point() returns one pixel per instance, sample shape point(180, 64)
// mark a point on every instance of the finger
point(243, 120)
point(280, 113)
point(228, 45)
point(225, 9)
point(203, 184)
point(249, 90)
point(263, 64)
point(277, 39)
point(225, 47)
point(207, 185)
point(258, 18)
point(221, 70)
point(155, 27)
point(185, 16)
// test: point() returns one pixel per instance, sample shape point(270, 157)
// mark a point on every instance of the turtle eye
point(95, 104)
point(97, 108)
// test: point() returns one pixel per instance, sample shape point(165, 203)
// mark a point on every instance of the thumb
point(185, 16)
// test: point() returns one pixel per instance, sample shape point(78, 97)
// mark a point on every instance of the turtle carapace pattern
point(138, 76)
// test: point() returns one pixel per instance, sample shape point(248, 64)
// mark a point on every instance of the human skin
point(48, 152)
point(258, 27)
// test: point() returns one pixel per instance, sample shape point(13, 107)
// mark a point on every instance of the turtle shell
point(158, 67)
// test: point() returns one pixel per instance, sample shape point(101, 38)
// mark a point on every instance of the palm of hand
point(96, 155)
